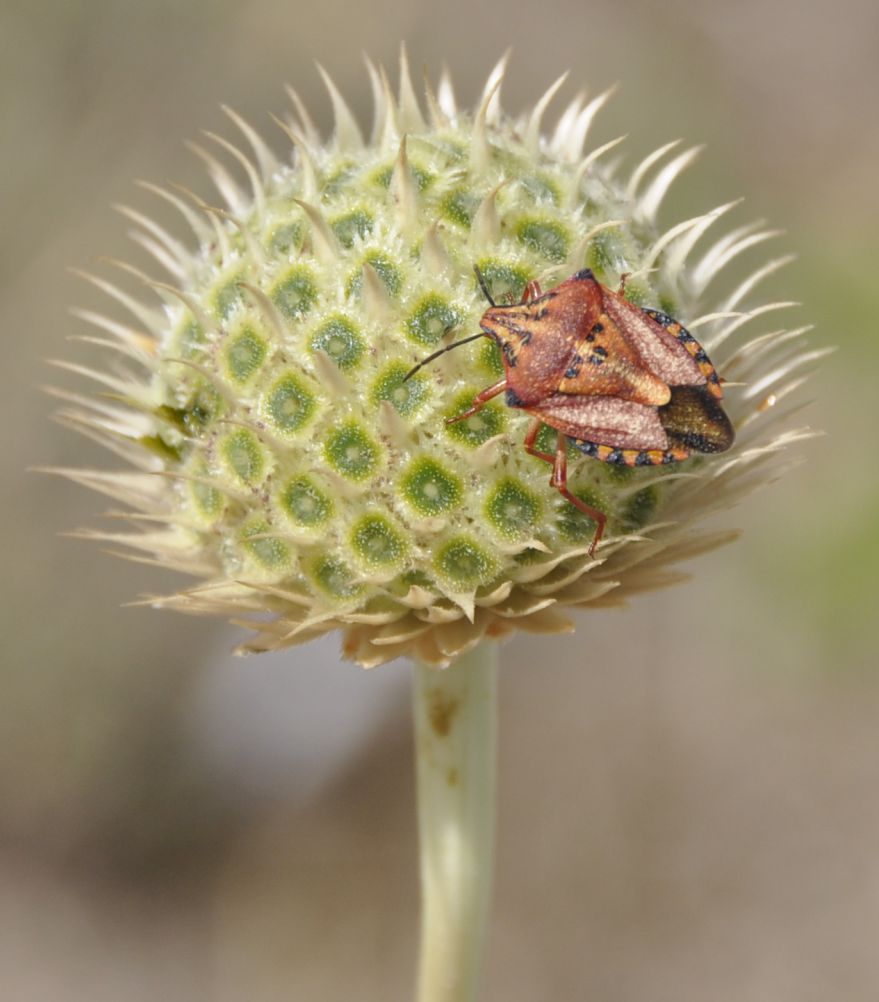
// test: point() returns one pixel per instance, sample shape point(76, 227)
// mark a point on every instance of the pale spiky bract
point(279, 455)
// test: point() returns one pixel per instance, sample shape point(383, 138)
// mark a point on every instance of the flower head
point(278, 453)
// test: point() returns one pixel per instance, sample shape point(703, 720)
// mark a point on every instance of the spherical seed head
point(280, 454)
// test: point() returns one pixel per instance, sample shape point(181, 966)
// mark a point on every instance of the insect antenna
point(483, 285)
point(442, 351)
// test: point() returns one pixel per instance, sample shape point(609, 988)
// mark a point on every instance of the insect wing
point(694, 419)
point(621, 424)
point(685, 338)
point(670, 357)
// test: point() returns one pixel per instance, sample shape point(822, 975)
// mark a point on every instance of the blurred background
point(689, 788)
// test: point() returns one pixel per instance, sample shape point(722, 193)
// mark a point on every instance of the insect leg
point(559, 478)
point(532, 292)
point(626, 275)
point(479, 401)
point(531, 438)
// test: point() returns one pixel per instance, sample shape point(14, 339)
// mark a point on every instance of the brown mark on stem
point(441, 712)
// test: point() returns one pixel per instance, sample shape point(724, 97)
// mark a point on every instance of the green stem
point(455, 739)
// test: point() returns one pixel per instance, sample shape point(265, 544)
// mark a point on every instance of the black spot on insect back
point(661, 318)
point(573, 369)
point(587, 448)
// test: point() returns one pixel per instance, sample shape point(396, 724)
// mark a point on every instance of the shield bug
point(622, 384)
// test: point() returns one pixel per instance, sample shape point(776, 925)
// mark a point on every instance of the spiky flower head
point(278, 453)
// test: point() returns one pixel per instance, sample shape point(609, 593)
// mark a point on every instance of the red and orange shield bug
point(622, 384)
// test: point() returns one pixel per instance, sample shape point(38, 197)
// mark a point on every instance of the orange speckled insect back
point(623, 384)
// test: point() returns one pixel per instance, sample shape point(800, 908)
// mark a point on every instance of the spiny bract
point(281, 458)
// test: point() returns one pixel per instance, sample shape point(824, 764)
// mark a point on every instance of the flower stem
point(455, 738)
